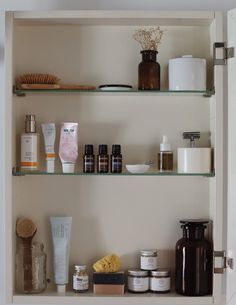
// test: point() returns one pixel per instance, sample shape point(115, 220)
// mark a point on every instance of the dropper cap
point(102, 149)
point(165, 146)
point(30, 123)
point(88, 149)
point(116, 149)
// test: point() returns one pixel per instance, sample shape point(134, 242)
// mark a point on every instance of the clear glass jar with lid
point(30, 268)
point(138, 280)
point(148, 259)
point(160, 280)
point(80, 279)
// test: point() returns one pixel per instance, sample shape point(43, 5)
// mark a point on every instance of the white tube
point(68, 147)
point(49, 134)
point(61, 228)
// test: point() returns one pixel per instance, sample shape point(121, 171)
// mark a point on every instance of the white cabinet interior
point(120, 214)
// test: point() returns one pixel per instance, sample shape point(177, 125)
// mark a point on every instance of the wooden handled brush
point(26, 230)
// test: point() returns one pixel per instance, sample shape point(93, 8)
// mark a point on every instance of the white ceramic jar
point(187, 73)
point(194, 160)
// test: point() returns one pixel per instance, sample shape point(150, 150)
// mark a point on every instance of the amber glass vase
point(149, 71)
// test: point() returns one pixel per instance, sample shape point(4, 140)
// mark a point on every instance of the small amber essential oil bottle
point(102, 159)
point(116, 159)
point(88, 159)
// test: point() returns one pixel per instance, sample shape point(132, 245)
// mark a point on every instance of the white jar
point(160, 281)
point(187, 73)
point(138, 280)
point(80, 279)
point(148, 259)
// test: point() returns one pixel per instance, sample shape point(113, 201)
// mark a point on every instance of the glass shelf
point(171, 174)
point(207, 93)
point(88, 298)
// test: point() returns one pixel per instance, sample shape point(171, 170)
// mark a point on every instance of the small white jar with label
point(148, 259)
point(80, 279)
point(138, 280)
point(160, 281)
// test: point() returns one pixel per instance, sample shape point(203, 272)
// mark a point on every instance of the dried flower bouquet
point(149, 39)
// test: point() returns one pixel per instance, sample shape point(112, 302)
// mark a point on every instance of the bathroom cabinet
point(120, 213)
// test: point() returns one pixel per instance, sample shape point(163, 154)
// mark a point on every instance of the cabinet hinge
point(221, 53)
point(226, 262)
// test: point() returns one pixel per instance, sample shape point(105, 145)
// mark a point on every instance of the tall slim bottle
point(30, 145)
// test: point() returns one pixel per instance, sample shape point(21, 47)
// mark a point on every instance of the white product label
point(80, 282)
point(149, 262)
point(139, 284)
point(29, 151)
point(160, 284)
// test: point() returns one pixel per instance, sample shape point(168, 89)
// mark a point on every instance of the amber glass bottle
point(149, 71)
point(116, 159)
point(102, 159)
point(194, 260)
point(88, 159)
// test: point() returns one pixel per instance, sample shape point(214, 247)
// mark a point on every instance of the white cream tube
point(61, 228)
point(68, 147)
point(49, 135)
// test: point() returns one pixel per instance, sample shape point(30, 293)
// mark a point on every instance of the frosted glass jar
point(30, 268)
point(138, 280)
point(160, 281)
point(148, 259)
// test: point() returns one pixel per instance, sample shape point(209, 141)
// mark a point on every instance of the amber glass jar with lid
point(160, 280)
point(138, 280)
point(194, 260)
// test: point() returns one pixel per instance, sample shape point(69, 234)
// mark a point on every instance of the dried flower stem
point(149, 39)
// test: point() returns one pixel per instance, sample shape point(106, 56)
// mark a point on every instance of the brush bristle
point(25, 228)
point(37, 78)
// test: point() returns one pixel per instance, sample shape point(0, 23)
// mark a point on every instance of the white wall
point(83, 4)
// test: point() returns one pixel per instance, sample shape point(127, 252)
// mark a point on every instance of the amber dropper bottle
point(165, 156)
point(102, 159)
point(88, 159)
point(116, 159)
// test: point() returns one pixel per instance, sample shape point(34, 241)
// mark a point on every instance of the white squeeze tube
point(49, 134)
point(68, 146)
point(61, 229)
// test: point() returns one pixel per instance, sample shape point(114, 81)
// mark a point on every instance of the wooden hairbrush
point(37, 81)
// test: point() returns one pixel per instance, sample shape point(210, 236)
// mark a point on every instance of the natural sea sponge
point(109, 263)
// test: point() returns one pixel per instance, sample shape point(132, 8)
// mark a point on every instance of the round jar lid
point(138, 272)
point(149, 252)
point(80, 267)
point(160, 272)
point(194, 221)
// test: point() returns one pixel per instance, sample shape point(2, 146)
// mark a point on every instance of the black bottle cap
point(102, 149)
point(88, 149)
point(116, 149)
point(193, 223)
